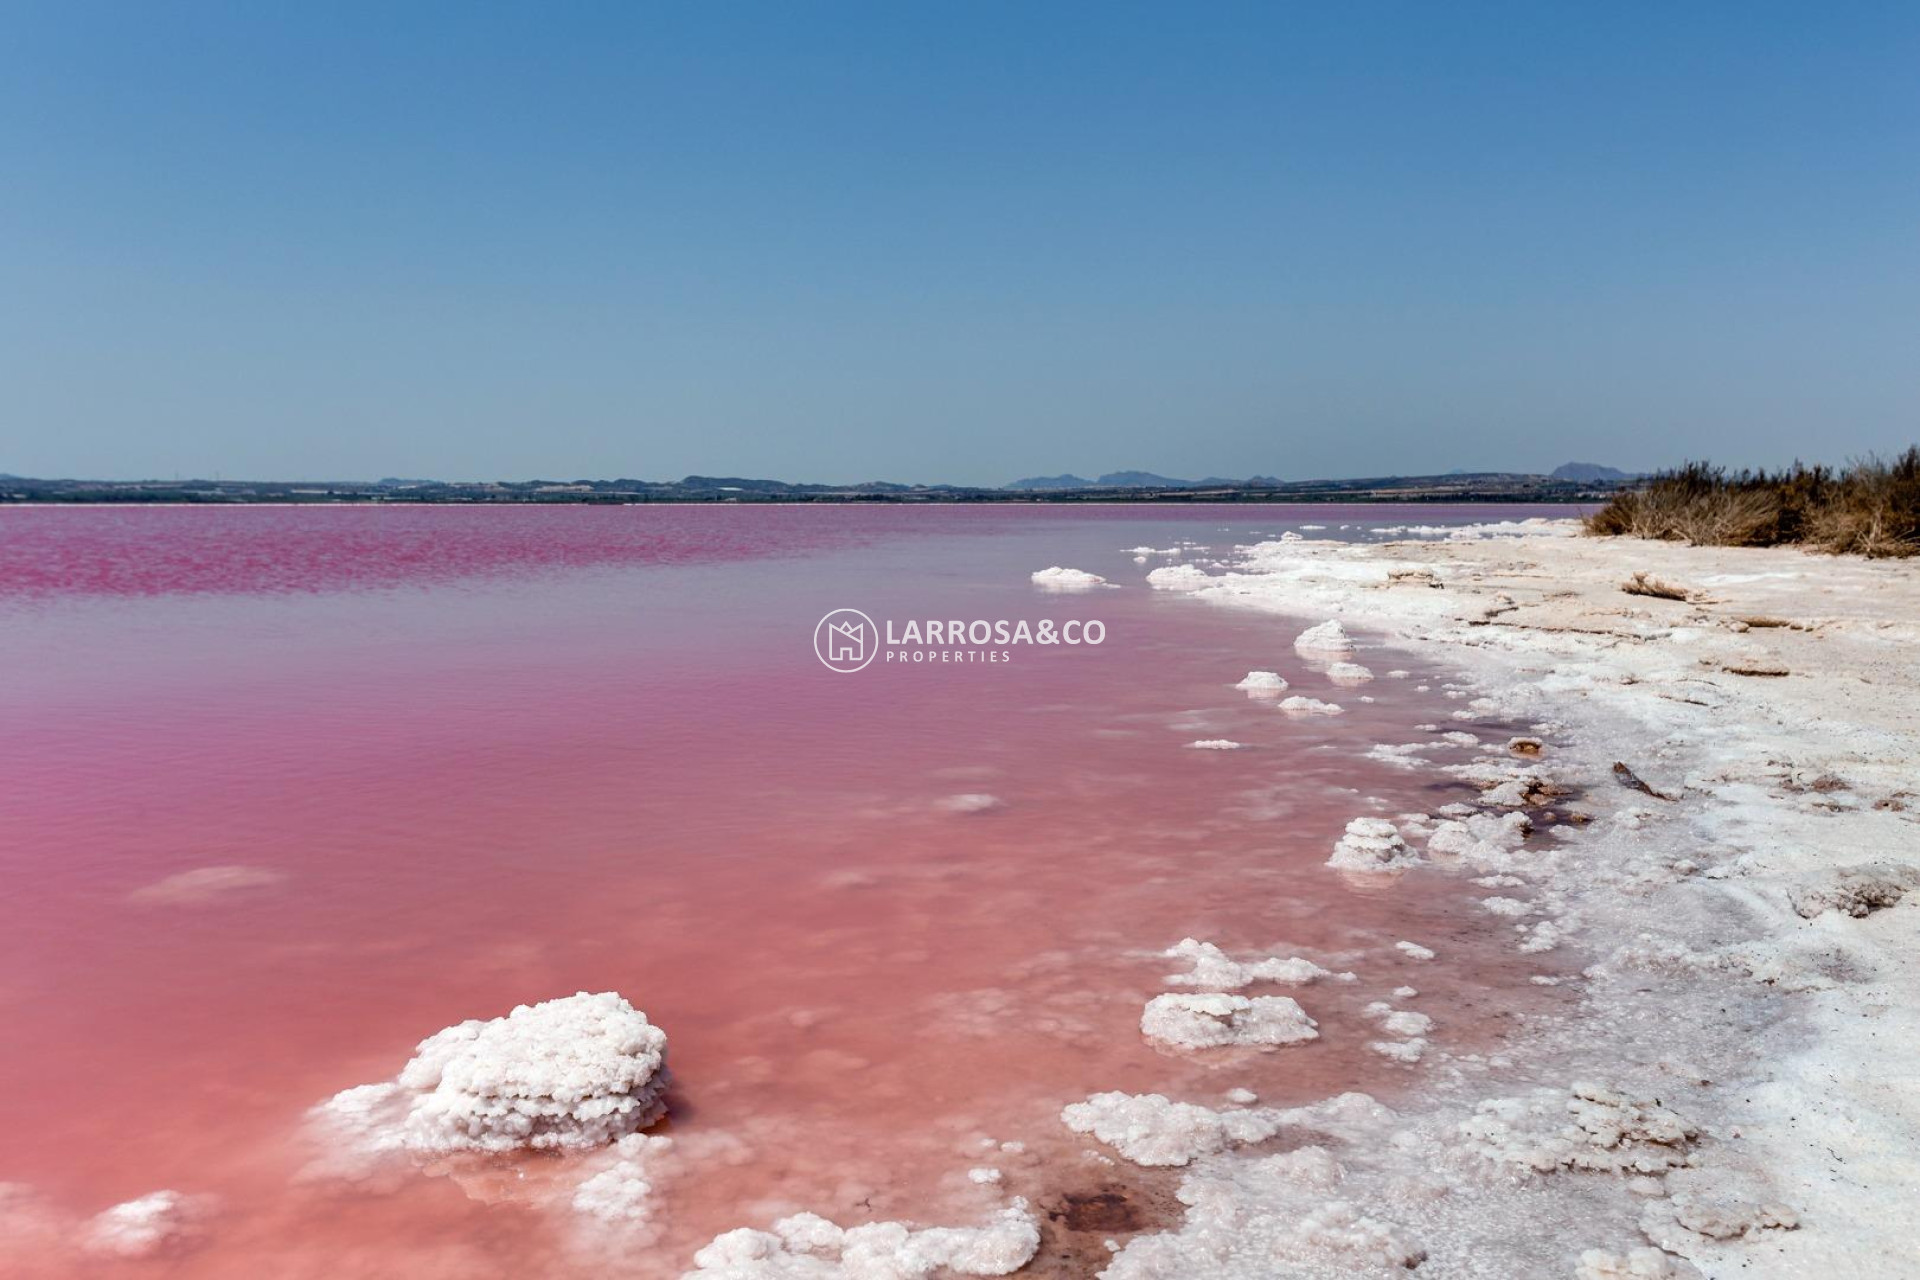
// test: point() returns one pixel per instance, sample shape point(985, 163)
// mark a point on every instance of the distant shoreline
point(1412, 490)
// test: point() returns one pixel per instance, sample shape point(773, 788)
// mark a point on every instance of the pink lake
point(471, 758)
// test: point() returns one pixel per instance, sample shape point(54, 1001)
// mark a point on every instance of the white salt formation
point(203, 885)
point(1178, 577)
point(1413, 950)
point(807, 1246)
point(1213, 1021)
point(1262, 682)
point(1372, 844)
point(572, 1074)
point(1589, 1127)
point(1348, 673)
point(156, 1223)
point(1298, 706)
point(1328, 640)
point(1214, 970)
point(1484, 841)
point(972, 802)
point(1291, 1214)
point(1634, 1264)
point(1150, 1130)
point(1215, 744)
point(1059, 579)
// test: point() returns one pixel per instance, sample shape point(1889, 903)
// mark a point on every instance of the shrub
point(1871, 508)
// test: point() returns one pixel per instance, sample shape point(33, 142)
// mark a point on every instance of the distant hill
point(1588, 472)
point(1140, 480)
point(1116, 480)
point(1052, 482)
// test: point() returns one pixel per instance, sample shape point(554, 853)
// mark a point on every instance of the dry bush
point(1871, 508)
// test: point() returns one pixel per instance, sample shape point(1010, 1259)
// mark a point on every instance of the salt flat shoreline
point(1736, 1090)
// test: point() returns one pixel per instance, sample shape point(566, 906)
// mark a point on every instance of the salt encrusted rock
point(1178, 577)
point(1413, 950)
point(1213, 1021)
point(1262, 682)
point(1329, 639)
point(1215, 744)
point(1857, 890)
point(573, 1073)
point(1059, 579)
point(1213, 970)
point(1634, 1264)
point(1348, 673)
point(1372, 844)
point(1590, 1127)
point(157, 1223)
point(807, 1246)
point(1148, 1129)
point(1298, 706)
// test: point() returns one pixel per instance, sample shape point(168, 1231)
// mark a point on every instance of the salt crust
point(1588, 1127)
point(1178, 577)
point(1215, 744)
point(1151, 1130)
point(1215, 1020)
point(1059, 579)
point(1298, 706)
point(807, 1246)
point(567, 1074)
point(1724, 872)
point(1262, 682)
point(1214, 970)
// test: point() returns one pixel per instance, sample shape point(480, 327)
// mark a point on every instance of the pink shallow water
point(492, 757)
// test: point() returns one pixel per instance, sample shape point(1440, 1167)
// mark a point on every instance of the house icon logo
point(846, 640)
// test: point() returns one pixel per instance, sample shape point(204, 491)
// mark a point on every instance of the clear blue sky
point(967, 242)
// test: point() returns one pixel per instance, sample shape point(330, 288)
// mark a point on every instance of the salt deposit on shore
point(1737, 1080)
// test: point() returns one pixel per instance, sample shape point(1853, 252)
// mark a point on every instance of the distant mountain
point(1140, 480)
point(1052, 482)
point(1588, 472)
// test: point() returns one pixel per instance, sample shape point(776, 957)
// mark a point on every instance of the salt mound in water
point(1059, 579)
point(1372, 844)
point(1213, 1020)
point(1263, 682)
point(1329, 639)
point(568, 1074)
point(1298, 706)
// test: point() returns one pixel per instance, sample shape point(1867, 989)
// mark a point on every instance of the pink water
point(487, 757)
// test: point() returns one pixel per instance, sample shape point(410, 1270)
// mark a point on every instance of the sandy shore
point(1734, 1087)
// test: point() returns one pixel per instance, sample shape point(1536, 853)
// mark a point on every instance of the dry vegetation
point(1869, 508)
